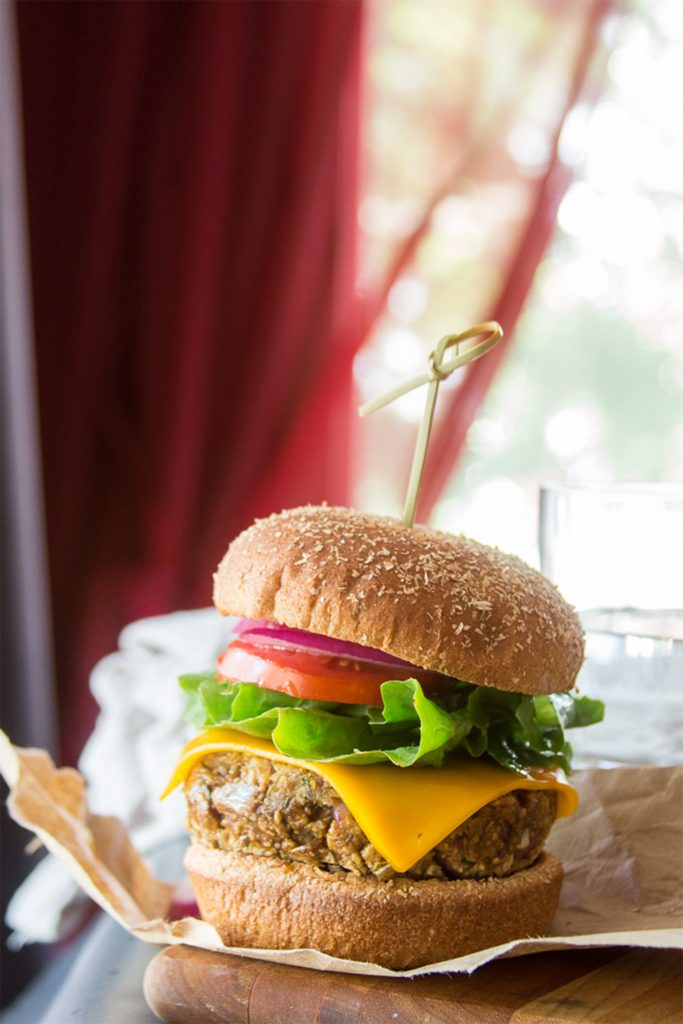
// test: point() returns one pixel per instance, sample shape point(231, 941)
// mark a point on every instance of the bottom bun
point(400, 924)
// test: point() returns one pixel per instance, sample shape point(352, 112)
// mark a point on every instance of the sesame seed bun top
point(440, 601)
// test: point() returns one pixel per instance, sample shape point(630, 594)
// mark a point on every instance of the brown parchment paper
point(622, 853)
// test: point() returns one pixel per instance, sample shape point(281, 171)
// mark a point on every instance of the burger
point(382, 750)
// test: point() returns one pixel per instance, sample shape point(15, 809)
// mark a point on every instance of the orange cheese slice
point(404, 812)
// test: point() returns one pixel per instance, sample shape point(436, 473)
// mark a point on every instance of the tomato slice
point(312, 676)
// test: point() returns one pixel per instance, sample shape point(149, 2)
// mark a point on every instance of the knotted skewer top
point(439, 369)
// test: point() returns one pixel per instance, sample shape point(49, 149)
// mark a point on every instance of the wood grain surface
point(610, 986)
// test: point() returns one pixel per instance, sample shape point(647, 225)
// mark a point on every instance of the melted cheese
point(404, 812)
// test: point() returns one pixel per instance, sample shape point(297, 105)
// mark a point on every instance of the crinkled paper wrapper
point(622, 853)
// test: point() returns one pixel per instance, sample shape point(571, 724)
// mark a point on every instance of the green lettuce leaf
point(410, 728)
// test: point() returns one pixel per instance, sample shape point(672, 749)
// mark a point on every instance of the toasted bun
point(265, 903)
point(439, 601)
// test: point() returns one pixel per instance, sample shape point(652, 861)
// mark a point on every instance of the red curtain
point(192, 188)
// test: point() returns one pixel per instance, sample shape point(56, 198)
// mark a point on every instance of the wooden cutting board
point(610, 986)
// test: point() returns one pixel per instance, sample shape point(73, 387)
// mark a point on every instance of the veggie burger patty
point(251, 805)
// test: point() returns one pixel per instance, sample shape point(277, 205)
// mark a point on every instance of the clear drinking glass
point(616, 553)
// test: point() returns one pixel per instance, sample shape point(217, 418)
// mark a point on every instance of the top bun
point(442, 602)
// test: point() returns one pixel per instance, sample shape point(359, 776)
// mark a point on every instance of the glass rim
point(612, 488)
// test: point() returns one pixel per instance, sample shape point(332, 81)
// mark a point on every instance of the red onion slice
point(275, 635)
point(245, 625)
point(183, 902)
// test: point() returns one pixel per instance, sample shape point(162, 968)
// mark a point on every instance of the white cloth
point(129, 757)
